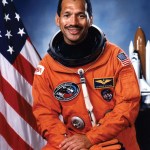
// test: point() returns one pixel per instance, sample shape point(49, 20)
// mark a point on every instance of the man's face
point(74, 21)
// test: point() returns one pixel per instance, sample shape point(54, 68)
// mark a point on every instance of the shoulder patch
point(39, 70)
point(66, 91)
point(124, 59)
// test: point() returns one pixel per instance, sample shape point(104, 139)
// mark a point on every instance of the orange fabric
point(108, 145)
point(116, 117)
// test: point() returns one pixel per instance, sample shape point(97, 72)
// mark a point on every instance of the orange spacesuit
point(57, 90)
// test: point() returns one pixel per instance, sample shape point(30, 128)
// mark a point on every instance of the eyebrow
point(78, 13)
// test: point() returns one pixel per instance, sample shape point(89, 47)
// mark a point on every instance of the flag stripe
point(18, 103)
point(9, 134)
point(30, 53)
point(27, 70)
point(18, 60)
point(16, 80)
point(4, 145)
point(19, 125)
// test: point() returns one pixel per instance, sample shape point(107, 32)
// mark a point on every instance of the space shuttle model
point(139, 53)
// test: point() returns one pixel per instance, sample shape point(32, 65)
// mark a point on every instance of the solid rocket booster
point(148, 62)
point(140, 46)
point(131, 49)
point(147, 100)
point(136, 63)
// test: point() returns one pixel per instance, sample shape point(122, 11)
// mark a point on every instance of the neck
point(77, 51)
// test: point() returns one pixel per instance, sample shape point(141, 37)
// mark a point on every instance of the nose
point(74, 20)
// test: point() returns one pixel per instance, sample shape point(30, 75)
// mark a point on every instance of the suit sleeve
point(47, 110)
point(127, 97)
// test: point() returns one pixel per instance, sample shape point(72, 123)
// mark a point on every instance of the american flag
point(18, 60)
point(124, 59)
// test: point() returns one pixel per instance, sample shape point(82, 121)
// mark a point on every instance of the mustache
point(73, 26)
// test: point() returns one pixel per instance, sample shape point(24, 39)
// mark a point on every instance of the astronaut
point(87, 80)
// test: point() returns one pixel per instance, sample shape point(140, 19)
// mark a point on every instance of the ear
point(57, 20)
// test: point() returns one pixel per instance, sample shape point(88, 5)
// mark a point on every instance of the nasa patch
point(39, 70)
point(107, 94)
point(66, 91)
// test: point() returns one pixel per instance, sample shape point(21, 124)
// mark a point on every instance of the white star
point(4, 2)
point(8, 34)
point(0, 34)
point(21, 31)
point(10, 50)
point(6, 17)
point(17, 16)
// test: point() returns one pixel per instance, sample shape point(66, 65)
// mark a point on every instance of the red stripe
point(126, 62)
point(24, 68)
point(13, 139)
point(18, 103)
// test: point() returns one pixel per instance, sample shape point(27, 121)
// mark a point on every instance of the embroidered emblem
point(107, 94)
point(66, 91)
point(39, 70)
point(124, 59)
point(103, 83)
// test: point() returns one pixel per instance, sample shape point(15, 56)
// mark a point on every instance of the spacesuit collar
point(97, 48)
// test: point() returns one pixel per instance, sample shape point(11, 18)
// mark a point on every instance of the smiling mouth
point(74, 30)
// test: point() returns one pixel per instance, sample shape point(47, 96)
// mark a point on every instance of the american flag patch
point(124, 59)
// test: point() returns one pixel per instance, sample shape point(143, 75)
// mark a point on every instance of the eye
point(66, 15)
point(82, 16)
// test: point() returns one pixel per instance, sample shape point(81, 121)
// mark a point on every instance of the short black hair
point(89, 7)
